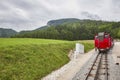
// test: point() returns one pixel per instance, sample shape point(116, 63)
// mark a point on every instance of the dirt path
point(79, 62)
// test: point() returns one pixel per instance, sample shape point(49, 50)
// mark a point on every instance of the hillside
point(73, 29)
point(31, 59)
point(7, 32)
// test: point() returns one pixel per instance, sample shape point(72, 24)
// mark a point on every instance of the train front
point(102, 41)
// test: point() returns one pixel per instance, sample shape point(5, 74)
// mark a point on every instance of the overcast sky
point(31, 14)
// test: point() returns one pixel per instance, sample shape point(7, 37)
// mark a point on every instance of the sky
point(31, 14)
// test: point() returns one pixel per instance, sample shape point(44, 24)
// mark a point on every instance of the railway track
point(98, 70)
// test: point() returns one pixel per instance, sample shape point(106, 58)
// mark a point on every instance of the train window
point(106, 36)
point(96, 37)
point(101, 38)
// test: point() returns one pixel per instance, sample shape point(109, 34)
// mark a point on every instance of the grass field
point(31, 59)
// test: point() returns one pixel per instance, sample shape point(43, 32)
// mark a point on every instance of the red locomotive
point(103, 41)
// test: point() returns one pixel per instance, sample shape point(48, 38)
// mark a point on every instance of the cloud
point(29, 14)
point(87, 15)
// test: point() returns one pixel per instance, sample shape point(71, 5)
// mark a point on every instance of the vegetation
point(31, 59)
point(76, 30)
point(7, 32)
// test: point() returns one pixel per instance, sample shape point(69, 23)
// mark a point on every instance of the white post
point(79, 49)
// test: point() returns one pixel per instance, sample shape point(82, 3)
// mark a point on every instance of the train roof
point(101, 34)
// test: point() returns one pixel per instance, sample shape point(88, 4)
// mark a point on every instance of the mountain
point(58, 22)
point(73, 29)
point(61, 21)
point(7, 32)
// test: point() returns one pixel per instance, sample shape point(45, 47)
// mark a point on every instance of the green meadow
point(32, 59)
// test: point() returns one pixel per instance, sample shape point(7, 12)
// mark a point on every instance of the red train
point(103, 41)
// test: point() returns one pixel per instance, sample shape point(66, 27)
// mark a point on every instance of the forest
point(76, 30)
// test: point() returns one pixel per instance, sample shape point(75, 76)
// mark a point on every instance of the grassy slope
point(29, 59)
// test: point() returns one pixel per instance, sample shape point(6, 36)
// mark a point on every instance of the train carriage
point(103, 41)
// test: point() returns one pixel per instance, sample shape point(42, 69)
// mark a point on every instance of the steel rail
point(99, 64)
point(92, 67)
point(106, 75)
